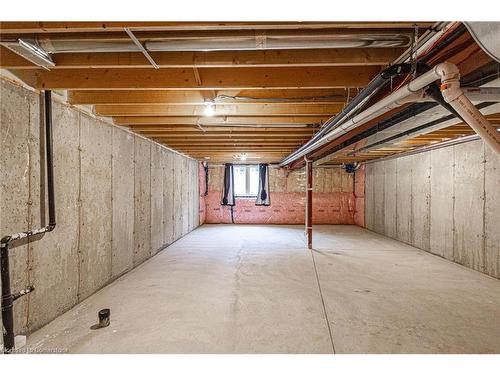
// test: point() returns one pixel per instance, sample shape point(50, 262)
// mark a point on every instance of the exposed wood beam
point(205, 135)
point(55, 27)
point(256, 145)
point(235, 148)
point(193, 120)
point(260, 157)
point(183, 79)
point(192, 97)
point(234, 142)
point(230, 154)
point(227, 152)
point(11, 60)
point(195, 140)
point(220, 110)
point(258, 142)
point(215, 59)
point(200, 35)
point(215, 130)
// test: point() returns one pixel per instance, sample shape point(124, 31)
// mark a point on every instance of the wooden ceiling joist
point(307, 109)
point(234, 143)
point(219, 35)
point(15, 27)
point(190, 97)
point(229, 140)
point(222, 136)
point(267, 102)
point(217, 131)
point(212, 79)
point(194, 120)
point(211, 149)
point(215, 59)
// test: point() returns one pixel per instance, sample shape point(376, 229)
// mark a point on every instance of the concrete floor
point(254, 289)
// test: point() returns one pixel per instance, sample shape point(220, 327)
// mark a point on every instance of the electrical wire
point(303, 98)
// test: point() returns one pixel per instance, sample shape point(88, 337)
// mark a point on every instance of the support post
point(309, 188)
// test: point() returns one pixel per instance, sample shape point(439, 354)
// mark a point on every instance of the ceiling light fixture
point(31, 51)
point(209, 109)
point(243, 157)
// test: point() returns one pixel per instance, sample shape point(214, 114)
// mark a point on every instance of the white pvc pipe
point(454, 95)
point(474, 94)
point(391, 101)
point(482, 94)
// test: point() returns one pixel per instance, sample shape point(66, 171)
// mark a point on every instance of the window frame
point(247, 181)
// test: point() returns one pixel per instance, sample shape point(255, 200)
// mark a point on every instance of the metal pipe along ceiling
point(486, 36)
point(262, 41)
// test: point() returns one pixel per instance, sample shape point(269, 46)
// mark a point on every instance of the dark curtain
point(205, 168)
point(263, 198)
point(228, 188)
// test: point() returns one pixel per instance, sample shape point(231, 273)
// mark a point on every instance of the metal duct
point(31, 51)
point(268, 41)
point(261, 41)
point(84, 46)
point(487, 36)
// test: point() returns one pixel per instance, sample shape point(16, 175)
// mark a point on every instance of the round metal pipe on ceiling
point(268, 40)
point(487, 36)
point(273, 42)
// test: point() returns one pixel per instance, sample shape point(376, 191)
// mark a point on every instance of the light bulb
point(209, 109)
point(243, 157)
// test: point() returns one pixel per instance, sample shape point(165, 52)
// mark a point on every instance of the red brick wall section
point(359, 192)
point(334, 203)
point(285, 208)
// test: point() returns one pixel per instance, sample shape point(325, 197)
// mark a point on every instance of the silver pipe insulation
point(254, 41)
point(268, 41)
point(450, 77)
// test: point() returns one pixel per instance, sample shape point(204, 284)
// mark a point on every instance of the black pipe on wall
point(49, 159)
point(5, 243)
point(7, 301)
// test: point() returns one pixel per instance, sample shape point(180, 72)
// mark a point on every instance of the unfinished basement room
point(250, 187)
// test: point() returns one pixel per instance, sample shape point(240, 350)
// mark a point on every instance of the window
point(246, 181)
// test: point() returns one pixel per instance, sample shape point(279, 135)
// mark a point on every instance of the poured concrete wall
point(445, 201)
point(333, 199)
point(114, 199)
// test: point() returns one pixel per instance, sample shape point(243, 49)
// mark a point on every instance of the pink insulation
point(285, 208)
point(201, 174)
point(335, 203)
point(359, 192)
